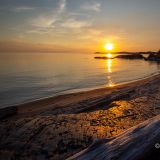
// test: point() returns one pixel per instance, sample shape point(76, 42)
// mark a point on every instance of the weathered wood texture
point(133, 144)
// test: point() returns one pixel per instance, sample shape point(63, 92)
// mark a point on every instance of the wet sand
point(58, 127)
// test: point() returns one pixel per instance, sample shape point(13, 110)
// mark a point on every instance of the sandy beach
point(58, 127)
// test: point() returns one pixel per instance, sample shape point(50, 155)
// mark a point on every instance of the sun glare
point(108, 55)
point(109, 46)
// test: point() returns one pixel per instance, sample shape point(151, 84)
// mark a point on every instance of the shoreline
point(79, 90)
point(43, 103)
point(104, 86)
point(58, 127)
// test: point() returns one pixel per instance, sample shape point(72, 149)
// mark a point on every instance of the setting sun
point(109, 46)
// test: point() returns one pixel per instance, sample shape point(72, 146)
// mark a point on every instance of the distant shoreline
point(149, 52)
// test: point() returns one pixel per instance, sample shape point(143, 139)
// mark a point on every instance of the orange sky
point(82, 26)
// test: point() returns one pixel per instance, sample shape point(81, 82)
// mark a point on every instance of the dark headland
point(151, 56)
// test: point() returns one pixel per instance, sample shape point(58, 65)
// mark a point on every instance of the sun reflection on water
point(110, 83)
point(109, 65)
point(109, 55)
point(109, 70)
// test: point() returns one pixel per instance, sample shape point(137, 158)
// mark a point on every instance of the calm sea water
point(29, 76)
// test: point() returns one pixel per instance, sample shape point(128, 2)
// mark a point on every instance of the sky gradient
point(79, 25)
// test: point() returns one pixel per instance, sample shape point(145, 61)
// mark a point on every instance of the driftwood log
point(7, 112)
point(91, 104)
point(134, 144)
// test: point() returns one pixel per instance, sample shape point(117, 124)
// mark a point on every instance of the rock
point(130, 56)
point(103, 57)
point(154, 57)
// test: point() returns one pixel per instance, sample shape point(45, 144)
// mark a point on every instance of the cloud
point(92, 35)
point(47, 20)
point(23, 9)
point(43, 21)
point(92, 6)
point(73, 23)
point(62, 6)
point(60, 20)
point(95, 32)
point(23, 46)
